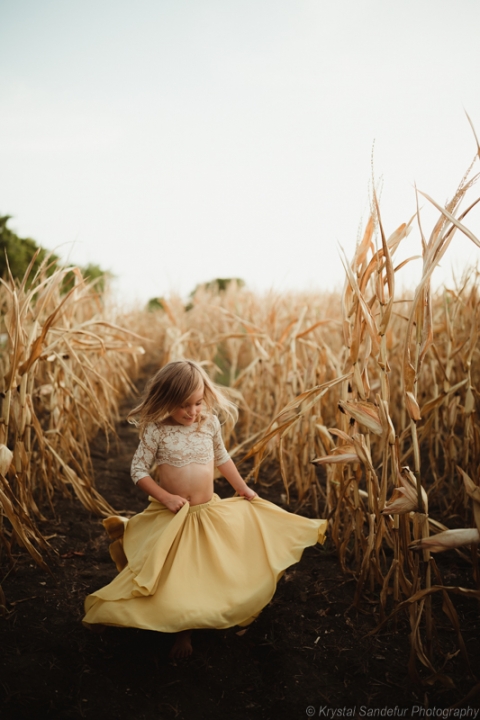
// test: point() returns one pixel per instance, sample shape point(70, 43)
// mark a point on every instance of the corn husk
point(447, 540)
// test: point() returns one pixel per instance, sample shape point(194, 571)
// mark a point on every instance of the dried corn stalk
point(64, 362)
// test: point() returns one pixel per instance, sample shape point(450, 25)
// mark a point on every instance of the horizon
point(171, 143)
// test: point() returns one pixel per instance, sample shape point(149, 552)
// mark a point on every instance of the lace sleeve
point(219, 451)
point(145, 453)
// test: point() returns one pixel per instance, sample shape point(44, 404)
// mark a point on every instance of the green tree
point(218, 285)
point(92, 273)
point(155, 304)
point(20, 252)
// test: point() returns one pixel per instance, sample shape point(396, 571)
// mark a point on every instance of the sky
point(175, 141)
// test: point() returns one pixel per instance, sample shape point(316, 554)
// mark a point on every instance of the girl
point(192, 560)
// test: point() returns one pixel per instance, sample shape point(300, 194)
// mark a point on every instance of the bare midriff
point(194, 481)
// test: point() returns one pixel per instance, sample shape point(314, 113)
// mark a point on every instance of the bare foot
point(182, 646)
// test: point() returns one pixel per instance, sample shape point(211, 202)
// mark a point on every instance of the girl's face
point(189, 411)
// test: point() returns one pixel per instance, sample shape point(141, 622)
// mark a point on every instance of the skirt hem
point(214, 568)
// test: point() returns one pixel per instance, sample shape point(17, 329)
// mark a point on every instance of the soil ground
point(307, 655)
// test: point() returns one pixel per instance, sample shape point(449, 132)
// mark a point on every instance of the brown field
point(359, 408)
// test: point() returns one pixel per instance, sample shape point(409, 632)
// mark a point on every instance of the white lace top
point(179, 445)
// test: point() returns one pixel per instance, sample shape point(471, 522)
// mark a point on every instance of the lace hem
point(180, 463)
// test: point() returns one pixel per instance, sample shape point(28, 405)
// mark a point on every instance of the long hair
point(171, 386)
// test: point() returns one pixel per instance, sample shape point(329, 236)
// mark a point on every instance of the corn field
point(362, 405)
point(64, 363)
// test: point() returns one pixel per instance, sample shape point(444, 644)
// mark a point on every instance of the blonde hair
point(171, 386)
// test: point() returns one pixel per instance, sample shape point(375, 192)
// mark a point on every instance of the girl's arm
point(230, 473)
point(227, 467)
point(173, 502)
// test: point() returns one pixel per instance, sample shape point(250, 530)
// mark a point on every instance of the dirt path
point(308, 649)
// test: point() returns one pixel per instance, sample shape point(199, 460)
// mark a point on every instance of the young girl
point(192, 560)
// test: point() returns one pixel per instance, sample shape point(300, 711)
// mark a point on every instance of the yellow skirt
point(213, 565)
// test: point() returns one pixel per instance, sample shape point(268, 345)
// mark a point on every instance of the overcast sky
point(174, 141)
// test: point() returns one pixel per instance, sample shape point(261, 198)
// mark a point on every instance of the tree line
point(16, 254)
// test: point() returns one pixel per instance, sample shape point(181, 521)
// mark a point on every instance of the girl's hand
point(174, 503)
point(248, 494)
point(230, 473)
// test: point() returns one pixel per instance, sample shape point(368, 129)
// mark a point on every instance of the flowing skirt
point(213, 565)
